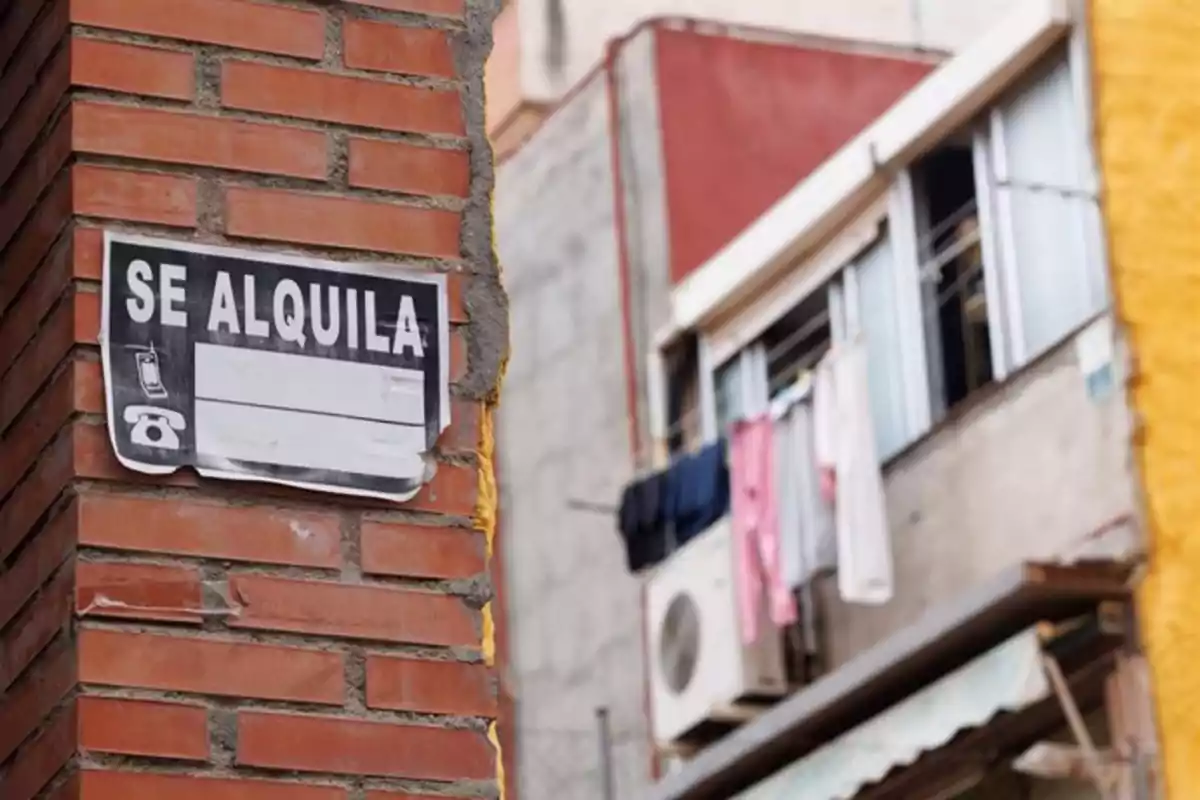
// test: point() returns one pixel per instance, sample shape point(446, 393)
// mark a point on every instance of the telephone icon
point(155, 427)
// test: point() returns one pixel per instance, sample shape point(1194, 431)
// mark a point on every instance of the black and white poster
point(251, 366)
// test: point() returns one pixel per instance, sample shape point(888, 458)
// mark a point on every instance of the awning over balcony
point(926, 696)
point(1009, 678)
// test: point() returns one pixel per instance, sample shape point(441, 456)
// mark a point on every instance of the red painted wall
point(744, 121)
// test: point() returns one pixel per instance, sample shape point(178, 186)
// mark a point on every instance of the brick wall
point(193, 639)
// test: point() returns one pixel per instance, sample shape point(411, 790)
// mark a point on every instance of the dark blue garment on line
point(696, 492)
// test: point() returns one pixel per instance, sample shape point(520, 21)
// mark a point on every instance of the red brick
point(138, 591)
point(310, 94)
point(287, 216)
point(67, 788)
point(34, 495)
point(37, 625)
point(401, 167)
point(53, 407)
point(34, 112)
point(20, 323)
point(92, 457)
point(235, 23)
point(143, 728)
point(86, 317)
point(440, 8)
point(36, 47)
point(20, 15)
point(383, 47)
point(133, 69)
point(416, 551)
point(87, 247)
point(458, 356)
point(37, 361)
point(40, 760)
point(210, 666)
point(48, 550)
point(360, 612)
point(98, 785)
point(212, 530)
point(430, 687)
point(353, 747)
point(20, 447)
point(32, 700)
point(466, 417)
point(453, 491)
point(134, 196)
point(21, 195)
point(35, 239)
point(455, 298)
point(88, 385)
point(180, 138)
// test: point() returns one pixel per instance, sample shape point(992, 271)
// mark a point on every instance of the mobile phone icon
point(150, 375)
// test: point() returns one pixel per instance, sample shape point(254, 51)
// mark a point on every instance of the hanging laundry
point(641, 522)
point(756, 528)
point(864, 548)
point(697, 492)
point(807, 539)
point(825, 428)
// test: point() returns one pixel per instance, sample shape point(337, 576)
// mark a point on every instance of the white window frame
point(841, 285)
point(1006, 323)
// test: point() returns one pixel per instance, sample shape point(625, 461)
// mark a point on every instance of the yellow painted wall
point(1147, 82)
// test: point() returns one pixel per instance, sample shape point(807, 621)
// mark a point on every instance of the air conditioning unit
point(700, 672)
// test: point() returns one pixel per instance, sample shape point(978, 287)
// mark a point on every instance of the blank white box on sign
point(306, 383)
point(303, 439)
point(300, 411)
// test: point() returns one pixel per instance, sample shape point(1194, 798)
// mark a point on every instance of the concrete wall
point(575, 611)
point(586, 27)
point(645, 189)
point(1028, 473)
point(1147, 115)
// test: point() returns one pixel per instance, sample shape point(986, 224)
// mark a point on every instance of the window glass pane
point(1057, 245)
point(729, 394)
point(1052, 266)
point(794, 344)
point(1040, 128)
point(880, 323)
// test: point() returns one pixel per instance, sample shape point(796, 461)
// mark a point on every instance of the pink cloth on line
point(756, 528)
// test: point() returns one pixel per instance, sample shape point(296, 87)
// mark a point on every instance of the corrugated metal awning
point(945, 639)
point(1009, 678)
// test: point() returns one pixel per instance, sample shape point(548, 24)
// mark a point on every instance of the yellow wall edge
point(1146, 72)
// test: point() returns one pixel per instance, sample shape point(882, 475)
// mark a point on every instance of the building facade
point(1004, 246)
point(545, 48)
point(959, 244)
point(593, 215)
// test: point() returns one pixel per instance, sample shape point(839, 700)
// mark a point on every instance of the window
point(1007, 237)
point(791, 347)
point(1048, 226)
point(992, 254)
point(954, 304)
point(682, 367)
point(879, 318)
point(795, 343)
